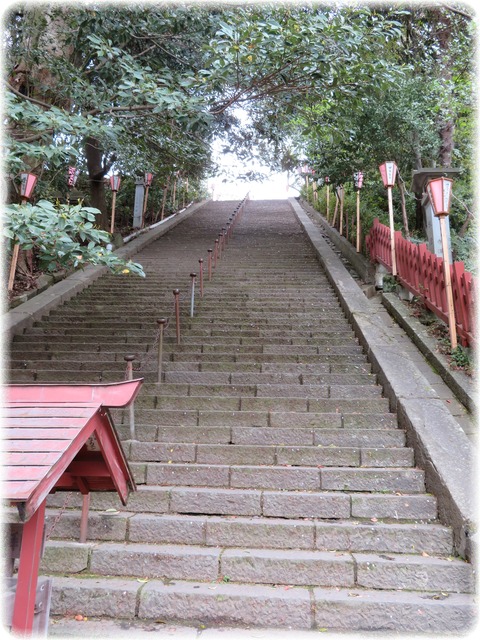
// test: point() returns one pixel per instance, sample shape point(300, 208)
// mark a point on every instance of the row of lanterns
point(439, 191)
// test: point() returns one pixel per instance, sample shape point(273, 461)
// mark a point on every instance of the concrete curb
point(24, 315)
point(462, 388)
point(431, 429)
point(458, 383)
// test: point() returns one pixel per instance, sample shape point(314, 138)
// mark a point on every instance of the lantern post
point(165, 191)
point(358, 183)
point(327, 182)
point(114, 186)
point(388, 171)
point(27, 185)
point(175, 188)
point(440, 194)
point(148, 182)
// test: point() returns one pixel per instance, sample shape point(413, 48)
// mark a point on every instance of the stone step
point(299, 567)
point(268, 503)
point(298, 436)
point(264, 404)
point(328, 420)
point(245, 532)
point(83, 354)
point(194, 378)
point(207, 338)
point(247, 467)
point(279, 314)
point(255, 353)
point(231, 605)
point(247, 453)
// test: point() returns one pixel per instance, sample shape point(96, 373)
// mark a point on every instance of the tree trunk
point(401, 190)
point(96, 175)
point(446, 144)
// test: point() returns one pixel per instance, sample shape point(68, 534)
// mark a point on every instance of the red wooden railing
point(421, 272)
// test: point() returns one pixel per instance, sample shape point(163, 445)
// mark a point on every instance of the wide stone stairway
point(275, 488)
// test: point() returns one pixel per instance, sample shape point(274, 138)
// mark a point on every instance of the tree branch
point(22, 95)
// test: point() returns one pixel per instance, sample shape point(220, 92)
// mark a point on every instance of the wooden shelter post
point(30, 553)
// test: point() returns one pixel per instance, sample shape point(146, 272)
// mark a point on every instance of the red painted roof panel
point(44, 436)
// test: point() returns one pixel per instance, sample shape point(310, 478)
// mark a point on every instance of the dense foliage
point(151, 87)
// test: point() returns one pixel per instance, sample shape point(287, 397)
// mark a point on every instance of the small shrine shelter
point(56, 438)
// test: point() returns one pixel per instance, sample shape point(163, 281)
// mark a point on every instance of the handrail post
point(176, 293)
point(161, 328)
point(192, 297)
point(215, 255)
point(200, 261)
point(129, 360)
point(224, 238)
point(210, 251)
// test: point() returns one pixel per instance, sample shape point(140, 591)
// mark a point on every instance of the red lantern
point(388, 171)
point(27, 185)
point(358, 180)
point(440, 193)
point(72, 176)
point(115, 183)
point(327, 180)
point(148, 179)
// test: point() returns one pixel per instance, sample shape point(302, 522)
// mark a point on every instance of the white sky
point(226, 187)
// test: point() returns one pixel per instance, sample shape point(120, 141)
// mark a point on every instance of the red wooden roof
point(61, 437)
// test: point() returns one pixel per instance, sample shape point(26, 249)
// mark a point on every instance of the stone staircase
point(275, 488)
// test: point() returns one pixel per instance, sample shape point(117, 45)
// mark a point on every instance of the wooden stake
point(335, 212)
point(341, 213)
point(112, 223)
point(358, 221)
point(174, 192)
point(328, 201)
point(392, 231)
point(448, 284)
point(13, 266)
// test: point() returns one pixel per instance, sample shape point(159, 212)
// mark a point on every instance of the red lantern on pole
point(439, 192)
point(358, 183)
point(148, 179)
point(358, 180)
point(27, 185)
point(115, 183)
point(388, 171)
point(327, 182)
point(72, 176)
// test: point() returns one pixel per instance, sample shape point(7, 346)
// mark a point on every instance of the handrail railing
point(421, 272)
point(220, 245)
